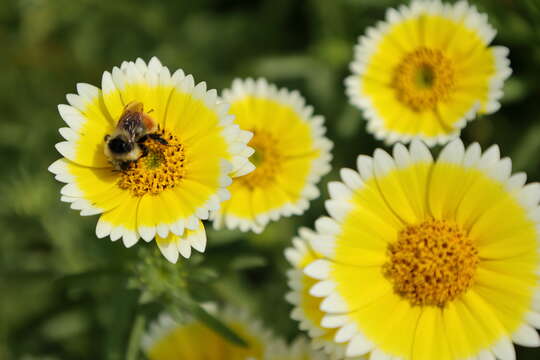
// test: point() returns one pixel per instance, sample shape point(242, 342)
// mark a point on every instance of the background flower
point(291, 154)
point(426, 71)
point(307, 307)
point(169, 339)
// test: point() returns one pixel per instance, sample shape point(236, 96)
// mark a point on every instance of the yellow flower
point(168, 339)
point(178, 175)
point(306, 307)
point(291, 155)
point(426, 71)
point(428, 259)
point(191, 340)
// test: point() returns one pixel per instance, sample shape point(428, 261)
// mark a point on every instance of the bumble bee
point(126, 144)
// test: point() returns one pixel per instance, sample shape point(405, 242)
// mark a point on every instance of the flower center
point(424, 78)
point(160, 169)
point(266, 159)
point(431, 263)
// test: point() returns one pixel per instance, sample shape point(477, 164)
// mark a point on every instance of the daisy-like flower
point(427, 259)
point(306, 308)
point(426, 71)
point(168, 339)
point(178, 175)
point(291, 155)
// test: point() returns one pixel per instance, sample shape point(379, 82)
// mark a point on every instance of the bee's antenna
point(150, 111)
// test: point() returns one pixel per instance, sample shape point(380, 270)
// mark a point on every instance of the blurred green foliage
point(63, 292)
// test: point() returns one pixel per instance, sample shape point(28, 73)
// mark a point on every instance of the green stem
point(134, 344)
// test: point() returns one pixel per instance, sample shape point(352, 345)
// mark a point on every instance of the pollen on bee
point(162, 168)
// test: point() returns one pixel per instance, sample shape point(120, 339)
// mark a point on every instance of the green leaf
point(134, 344)
point(119, 312)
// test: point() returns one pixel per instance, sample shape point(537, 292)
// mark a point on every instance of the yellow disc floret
point(162, 168)
point(431, 263)
point(266, 158)
point(423, 78)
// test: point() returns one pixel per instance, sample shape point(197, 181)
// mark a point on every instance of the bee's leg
point(115, 167)
point(124, 165)
point(107, 137)
point(144, 150)
point(158, 138)
point(142, 139)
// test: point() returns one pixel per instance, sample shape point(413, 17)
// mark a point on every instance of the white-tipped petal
point(322, 288)
point(334, 304)
point(346, 333)
point(359, 346)
point(319, 269)
point(527, 336)
point(504, 350)
point(334, 321)
point(168, 249)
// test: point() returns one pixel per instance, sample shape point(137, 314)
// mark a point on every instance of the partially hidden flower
point(424, 259)
point(306, 307)
point(162, 184)
point(168, 339)
point(426, 71)
point(291, 155)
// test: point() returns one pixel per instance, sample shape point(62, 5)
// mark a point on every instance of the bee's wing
point(149, 124)
point(132, 123)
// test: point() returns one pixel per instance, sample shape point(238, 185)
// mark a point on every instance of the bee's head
point(119, 145)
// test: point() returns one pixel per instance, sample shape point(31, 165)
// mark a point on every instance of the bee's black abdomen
point(119, 146)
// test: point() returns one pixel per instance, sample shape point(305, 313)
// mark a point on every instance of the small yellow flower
point(168, 339)
point(426, 71)
point(175, 179)
point(306, 308)
point(426, 259)
point(291, 155)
